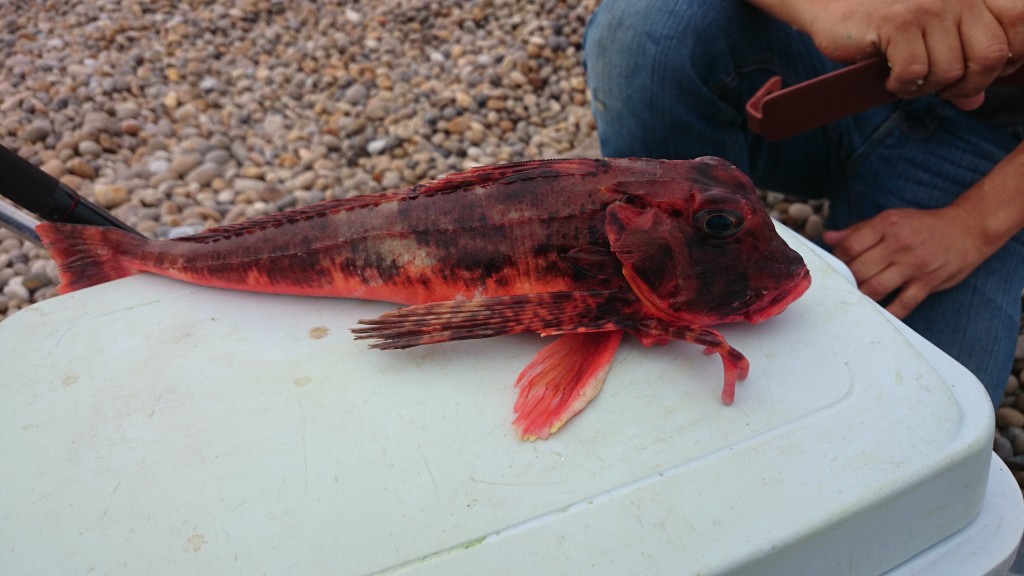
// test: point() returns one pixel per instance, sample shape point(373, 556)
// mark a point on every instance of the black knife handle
point(27, 186)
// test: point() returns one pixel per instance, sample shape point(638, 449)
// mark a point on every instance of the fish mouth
point(779, 299)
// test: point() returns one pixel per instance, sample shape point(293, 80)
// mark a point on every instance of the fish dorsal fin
point(545, 313)
point(514, 172)
point(313, 211)
point(649, 246)
point(451, 183)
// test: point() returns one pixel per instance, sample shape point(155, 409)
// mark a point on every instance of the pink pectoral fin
point(545, 313)
point(561, 380)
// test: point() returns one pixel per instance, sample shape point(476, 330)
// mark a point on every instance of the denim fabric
point(671, 78)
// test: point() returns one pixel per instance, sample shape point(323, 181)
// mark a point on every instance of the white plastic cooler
point(153, 427)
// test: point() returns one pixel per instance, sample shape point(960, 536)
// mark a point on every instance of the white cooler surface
point(153, 427)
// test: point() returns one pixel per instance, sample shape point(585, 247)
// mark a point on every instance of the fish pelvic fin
point(88, 255)
point(544, 313)
point(561, 380)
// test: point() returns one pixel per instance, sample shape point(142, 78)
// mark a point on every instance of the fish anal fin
point(561, 380)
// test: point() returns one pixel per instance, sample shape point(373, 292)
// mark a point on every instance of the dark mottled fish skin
point(493, 232)
point(661, 249)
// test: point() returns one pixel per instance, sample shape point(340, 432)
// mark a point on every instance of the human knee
point(626, 34)
point(639, 50)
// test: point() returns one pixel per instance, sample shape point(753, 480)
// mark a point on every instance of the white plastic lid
point(149, 426)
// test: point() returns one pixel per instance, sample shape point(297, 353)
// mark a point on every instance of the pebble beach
point(179, 116)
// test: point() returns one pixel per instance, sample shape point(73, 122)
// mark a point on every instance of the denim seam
point(732, 80)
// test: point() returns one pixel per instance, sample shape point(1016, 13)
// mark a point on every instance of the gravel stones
point(81, 167)
point(1009, 416)
point(178, 117)
point(203, 174)
point(110, 195)
point(356, 94)
point(804, 216)
point(37, 131)
point(89, 148)
point(183, 163)
point(126, 110)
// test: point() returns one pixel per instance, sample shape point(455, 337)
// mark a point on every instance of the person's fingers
point(985, 51)
point(871, 263)
point(946, 51)
point(849, 243)
point(1010, 14)
point(969, 103)
point(909, 297)
point(908, 65)
point(1012, 65)
point(883, 283)
point(832, 238)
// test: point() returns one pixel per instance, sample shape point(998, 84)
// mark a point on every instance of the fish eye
point(718, 223)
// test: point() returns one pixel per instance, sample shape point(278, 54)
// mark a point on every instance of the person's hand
point(910, 253)
point(955, 48)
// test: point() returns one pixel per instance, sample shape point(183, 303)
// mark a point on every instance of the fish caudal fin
point(561, 380)
point(88, 255)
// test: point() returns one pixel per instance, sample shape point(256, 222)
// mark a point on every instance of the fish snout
point(773, 302)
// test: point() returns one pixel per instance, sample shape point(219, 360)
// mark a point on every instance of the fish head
point(698, 247)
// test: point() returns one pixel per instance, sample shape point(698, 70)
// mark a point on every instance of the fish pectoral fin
point(545, 313)
point(651, 248)
point(561, 380)
point(594, 261)
point(734, 364)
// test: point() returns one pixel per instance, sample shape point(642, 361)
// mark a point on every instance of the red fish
point(589, 249)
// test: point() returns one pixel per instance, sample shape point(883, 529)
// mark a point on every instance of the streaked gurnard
point(585, 249)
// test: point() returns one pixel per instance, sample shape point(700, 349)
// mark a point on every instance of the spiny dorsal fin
point(317, 210)
point(448, 184)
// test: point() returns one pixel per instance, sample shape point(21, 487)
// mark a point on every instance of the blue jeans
point(670, 79)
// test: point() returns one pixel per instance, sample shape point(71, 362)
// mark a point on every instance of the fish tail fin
point(88, 255)
point(561, 380)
